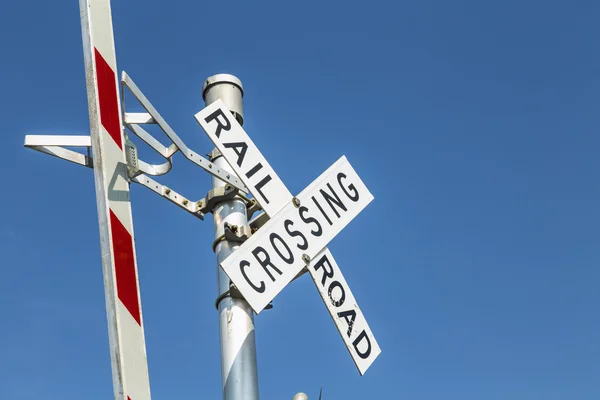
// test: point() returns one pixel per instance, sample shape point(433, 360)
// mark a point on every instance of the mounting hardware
point(169, 194)
point(215, 196)
point(233, 233)
point(296, 202)
point(53, 145)
point(252, 207)
point(213, 155)
point(306, 258)
point(234, 293)
point(258, 221)
point(133, 123)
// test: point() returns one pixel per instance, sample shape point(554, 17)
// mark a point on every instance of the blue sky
point(474, 124)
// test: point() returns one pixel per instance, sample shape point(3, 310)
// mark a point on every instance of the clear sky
point(473, 123)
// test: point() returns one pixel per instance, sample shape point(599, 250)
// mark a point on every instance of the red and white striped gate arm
point(125, 327)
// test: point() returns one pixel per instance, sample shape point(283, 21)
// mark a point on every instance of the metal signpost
point(257, 255)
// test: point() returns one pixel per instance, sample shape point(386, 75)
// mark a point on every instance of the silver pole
point(236, 318)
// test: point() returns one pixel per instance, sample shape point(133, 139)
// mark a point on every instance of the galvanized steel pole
point(236, 318)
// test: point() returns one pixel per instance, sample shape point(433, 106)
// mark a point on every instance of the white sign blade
point(264, 264)
point(244, 157)
point(342, 307)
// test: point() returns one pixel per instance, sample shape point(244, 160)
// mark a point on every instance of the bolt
point(209, 165)
point(305, 258)
point(233, 228)
point(185, 202)
point(228, 176)
point(167, 191)
point(296, 202)
point(228, 187)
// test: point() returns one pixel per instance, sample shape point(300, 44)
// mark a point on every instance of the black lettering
point(363, 335)
point(335, 199)
point(260, 184)
point(345, 315)
point(253, 170)
point(307, 220)
point(342, 298)
point(266, 262)
point(326, 274)
point(287, 224)
point(290, 258)
point(351, 187)
point(243, 265)
point(321, 209)
point(225, 125)
point(235, 145)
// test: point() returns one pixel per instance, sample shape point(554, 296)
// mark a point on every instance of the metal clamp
point(236, 233)
point(233, 292)
point(252, 206)
point(233, 233)
point(215, 196)
point(213, 155)
point(258, 221)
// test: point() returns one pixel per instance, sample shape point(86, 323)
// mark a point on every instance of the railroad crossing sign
point(297, 233)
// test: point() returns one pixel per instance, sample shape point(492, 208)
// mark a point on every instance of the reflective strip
point(125, 267)
point(107, 97)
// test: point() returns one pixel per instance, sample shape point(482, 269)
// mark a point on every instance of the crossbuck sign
point(297, 233)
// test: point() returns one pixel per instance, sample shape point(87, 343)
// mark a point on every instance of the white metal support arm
point(53, 145)
point(133, 122)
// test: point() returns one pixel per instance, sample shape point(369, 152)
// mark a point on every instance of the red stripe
point(125, 267)
point(107, 96)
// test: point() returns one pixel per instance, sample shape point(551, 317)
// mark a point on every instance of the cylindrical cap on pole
point(300, 396)
point(227, 88)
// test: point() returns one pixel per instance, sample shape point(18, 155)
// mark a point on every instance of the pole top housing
point(227, 88)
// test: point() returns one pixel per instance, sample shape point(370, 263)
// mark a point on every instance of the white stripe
point(102, 30)
point(134, 362)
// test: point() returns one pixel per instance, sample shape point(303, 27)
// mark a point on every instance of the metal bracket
point(214, 196)
point(235, 293)
point(133, 121)
point(54, 146)
point(237, 233)
point(214, 154)
point(171, 195)
point(233, 233)
point(138, 170)
point(258, 221)
point(252, 207)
